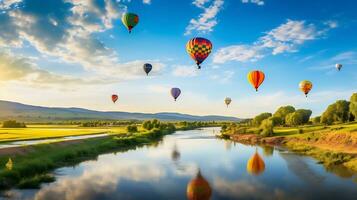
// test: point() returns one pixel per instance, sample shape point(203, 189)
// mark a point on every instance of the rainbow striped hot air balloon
point(256, 78)
point(305, 86)
point(130, 20)
point(199, 49)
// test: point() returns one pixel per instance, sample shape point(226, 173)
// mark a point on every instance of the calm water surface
point(164, 170)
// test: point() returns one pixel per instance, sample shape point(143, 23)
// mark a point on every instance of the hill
point(29, 113)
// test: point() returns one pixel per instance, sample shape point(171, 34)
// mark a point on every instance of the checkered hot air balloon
point(199, 49)
point(130, 20)
point(256, 78)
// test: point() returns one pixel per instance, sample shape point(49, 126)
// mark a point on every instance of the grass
point(53, 131)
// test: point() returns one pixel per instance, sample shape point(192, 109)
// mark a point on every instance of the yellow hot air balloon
point(255, 165)
point(227, 101)
point(9, 164)
point(305, 86)
point(198, 188)
point(256, 78)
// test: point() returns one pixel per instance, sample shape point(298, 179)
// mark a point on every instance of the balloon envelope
point(114, 98)
point(147, 68)
point(199, 49)
point(175, 93)
point(256, 78)
point(227, 101)
point(130, 20)
point(338, 66)
point(305, 86)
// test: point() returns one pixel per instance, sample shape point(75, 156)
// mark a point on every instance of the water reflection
point(175, 155)
point(199, 188)
point(268, 150)
point(255, 164)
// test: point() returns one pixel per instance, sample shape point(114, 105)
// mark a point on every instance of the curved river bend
point(168, 169)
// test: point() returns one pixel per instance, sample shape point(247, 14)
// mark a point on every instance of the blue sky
point(76, 53)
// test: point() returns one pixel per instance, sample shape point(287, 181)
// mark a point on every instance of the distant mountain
point(29, 113)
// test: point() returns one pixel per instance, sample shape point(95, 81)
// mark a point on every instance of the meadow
point(35, 132)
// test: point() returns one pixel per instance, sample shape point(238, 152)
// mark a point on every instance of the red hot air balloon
point(114, 98)
point(175, 93)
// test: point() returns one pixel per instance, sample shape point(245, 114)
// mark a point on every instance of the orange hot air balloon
point(255, 165)
point(114, 98)
point(305, 86)
point(198, 188)
point(256, 78)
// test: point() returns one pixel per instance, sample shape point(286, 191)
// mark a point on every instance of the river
point(169, 168)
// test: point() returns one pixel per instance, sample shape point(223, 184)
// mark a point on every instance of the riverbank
point(333, 145)
point(33, 165)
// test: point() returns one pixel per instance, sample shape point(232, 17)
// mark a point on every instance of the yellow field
point(53, 131)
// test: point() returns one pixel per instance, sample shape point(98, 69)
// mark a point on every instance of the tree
point(147, 125)
point(266, 127)
point(337, 112)
point(132, 128)
point(305, 115)
point(353, 105)
point(13, 124)
point(316, 120)
point(282, 112)
point(259, 118)
point(294, 119)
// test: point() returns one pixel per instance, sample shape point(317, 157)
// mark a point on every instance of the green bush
point(132, 128)
point(13, 124)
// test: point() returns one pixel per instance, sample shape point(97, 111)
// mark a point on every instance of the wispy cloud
point(345, 58)
point(258, 2)
point(147, 1)
point(223, 77)
point(184, 71)
point(207, 20)
point(285, 38)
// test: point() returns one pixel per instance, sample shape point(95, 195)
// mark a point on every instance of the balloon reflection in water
point(255, 165)
point(199, 188)
point(175, 155)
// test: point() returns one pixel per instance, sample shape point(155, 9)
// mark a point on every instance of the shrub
point(13, 124)
point(132, 128)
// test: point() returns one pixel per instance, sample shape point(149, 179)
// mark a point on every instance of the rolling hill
point(29, 113)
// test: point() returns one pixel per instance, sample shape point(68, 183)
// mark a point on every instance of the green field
point(33, 132)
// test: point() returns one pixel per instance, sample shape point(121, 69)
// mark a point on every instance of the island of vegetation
point(330, 138)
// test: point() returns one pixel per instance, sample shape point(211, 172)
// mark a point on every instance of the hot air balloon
point(256, 78)
point(114, 98)
point(199, 49)
point(147, 68)
point(198, 188)
point(338, 66)
point(9, 164)
point(130, 20)
point(255, 164)
point(227, 101)
point(305, 86)
point(175, 93)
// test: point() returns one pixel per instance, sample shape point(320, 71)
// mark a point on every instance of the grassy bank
point(34, 167)
point(330, 145)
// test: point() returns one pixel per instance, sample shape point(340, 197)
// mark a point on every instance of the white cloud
point(7, 4)
point(285, 38)
point(223, 77)
point(258, 2)
point(184, 71)
point(240, 53)
point(69, 35)
point(147, 1)
point(207, 20)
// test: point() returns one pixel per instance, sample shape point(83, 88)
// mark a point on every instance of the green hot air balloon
point(130, 20)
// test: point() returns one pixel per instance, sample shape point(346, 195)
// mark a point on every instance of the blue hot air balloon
point(147, 68)
point(175, 93)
